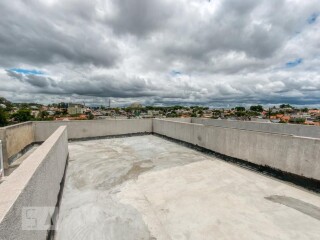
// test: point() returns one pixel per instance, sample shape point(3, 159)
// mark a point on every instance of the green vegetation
point(240, 109)
point(240, 113)
point(297, 120)
point(172, 115)
point(11, 113)
point(3, 118)
point(286, 106)
point(23, 115)
point(257, 108)
point(90, 116)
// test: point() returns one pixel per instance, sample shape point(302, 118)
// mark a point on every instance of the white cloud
point(227, 52)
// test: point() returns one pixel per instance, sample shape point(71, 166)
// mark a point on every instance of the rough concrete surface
point(18, 137)
point(92, 129)
point(148, 188)
point(35, 183)
point(292, 154)
point(14, 139)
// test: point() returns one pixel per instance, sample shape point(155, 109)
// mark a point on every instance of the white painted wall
point(297, 155)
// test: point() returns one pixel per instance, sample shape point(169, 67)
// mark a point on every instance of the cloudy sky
point(161, 52)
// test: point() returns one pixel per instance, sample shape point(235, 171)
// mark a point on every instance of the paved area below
point(148, 188)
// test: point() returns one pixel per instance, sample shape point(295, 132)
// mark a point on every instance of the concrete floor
point(148, 188)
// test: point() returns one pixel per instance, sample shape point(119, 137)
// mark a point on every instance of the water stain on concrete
point(136, 169)
point(301, 206)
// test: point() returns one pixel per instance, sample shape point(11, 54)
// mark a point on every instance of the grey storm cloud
point(216, 53)
point(141, 16)
point(33, 33)
point(33, 80)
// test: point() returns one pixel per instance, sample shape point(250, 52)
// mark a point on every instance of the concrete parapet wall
point(90, 129)
point(292, 154)
point(294, 129)
point(36, 183)
point(177, 130)
point(186, 120)
point(14, 139)
point(3, 149)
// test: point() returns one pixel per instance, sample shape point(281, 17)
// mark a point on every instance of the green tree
point(23, 115)
point(128, 109)
point(62, 105)
point(117, 110)
point(177, 107)
point(44, 114)
point(3, 118)
point(240, 113)
point(285, 106)
point(240, 109)
point(257, 108)
point(90, 116)
point(172, 115)
point(297, 120)
point(252, 113)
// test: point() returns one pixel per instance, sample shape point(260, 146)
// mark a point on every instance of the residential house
point(74, 109)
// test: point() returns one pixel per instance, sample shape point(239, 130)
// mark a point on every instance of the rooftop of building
point(146, 187)
point(162, 179)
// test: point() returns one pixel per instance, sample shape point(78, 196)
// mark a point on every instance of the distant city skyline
point(115, 104)
point(160, 52)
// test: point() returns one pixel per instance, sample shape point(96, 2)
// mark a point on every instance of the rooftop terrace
point(146, 187)
point(160, 179)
